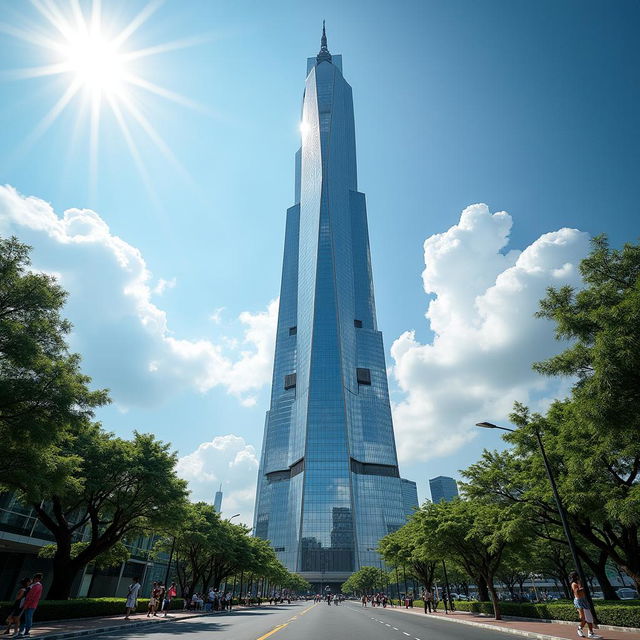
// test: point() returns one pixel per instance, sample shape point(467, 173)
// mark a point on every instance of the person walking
point(153, 600)
point(31, 600)
point(581, 603)
point(13, 619)
point(132, 597)
point(172, 592)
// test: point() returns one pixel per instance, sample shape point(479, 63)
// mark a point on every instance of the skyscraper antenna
point(324, 50)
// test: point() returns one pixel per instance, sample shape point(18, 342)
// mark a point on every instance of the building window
point(278, 549)
point(290, 381)
point(293, 331)
point(364, 375)
point(357, 324)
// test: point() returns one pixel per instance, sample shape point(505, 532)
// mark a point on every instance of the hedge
point(618, 613)
point(84, 608)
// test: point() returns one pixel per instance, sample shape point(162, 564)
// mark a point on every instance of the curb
point(493, 627)
point(605, 627)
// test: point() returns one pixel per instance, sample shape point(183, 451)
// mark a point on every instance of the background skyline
point(528, 107)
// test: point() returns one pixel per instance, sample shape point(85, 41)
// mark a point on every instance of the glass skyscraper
point(443, 488)
point(328, 486)
point(409, 497)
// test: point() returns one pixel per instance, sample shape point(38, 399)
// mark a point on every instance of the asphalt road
point(306, 621)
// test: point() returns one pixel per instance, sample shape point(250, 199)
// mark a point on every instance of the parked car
point(461, 596)
point(626, 593)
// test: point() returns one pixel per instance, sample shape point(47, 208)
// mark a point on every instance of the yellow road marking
point(309, 608)
point(282, 626)
point(278, 628)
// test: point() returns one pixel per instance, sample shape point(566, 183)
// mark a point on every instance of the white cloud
point(216, 316)
point(163, 285)
point(123, 336)
point(228, 460)
point(479, 361)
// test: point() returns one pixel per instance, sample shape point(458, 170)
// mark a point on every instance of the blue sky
point(529, 107)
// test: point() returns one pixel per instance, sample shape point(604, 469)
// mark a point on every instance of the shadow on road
point(210, 623)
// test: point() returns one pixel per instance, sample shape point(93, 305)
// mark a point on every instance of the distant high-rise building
point(217, 503)
point(443, 488)
point(329, 486)
point(409, 496)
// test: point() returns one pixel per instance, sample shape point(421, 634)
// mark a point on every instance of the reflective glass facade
point(328, 486)
point(443, 488)
point(409, 497)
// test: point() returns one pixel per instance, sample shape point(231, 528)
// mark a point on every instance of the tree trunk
point(64, 573)
point(494, 598)
point(483, 592)
point(599, 571)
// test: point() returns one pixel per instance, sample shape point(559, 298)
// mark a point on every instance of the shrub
point(84, 608)
point(621, 614)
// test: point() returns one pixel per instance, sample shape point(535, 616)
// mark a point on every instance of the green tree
point(598, 434)
point(43, 394)
point(409, 547)
point(121, 487)
point(517, 478)
point(366, 580)
point(475, 535)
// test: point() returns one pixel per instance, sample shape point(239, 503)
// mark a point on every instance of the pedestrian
point(172, 592)
point(364, 600)
point(435, 600)
point(581, 603)
point(162, 591)
point(132, 597)
point(153, 603)
point(13, 619)
point(31, 600)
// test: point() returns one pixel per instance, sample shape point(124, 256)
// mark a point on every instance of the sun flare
point(95, 62)
point(99, 71)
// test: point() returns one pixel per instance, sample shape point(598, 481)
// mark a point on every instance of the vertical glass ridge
point(328, 484)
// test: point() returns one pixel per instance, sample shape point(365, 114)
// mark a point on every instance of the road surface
point(309, 621)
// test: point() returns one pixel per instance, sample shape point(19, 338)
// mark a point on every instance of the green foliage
point(121, 487)
point(409, 547)
point(114, 557)
point(209, 550)
point(43, 394)
point(366, 580)
point(86, 608)
point(616, 614)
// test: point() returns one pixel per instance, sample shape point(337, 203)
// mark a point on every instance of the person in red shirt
point(30, 605)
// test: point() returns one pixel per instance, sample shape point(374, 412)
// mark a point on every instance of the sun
point(95, 62)
point(99, 63)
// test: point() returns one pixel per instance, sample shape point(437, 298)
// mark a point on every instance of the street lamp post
point(561, 511)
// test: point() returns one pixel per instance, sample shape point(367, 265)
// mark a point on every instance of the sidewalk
point(538, 629)
point(59, 629)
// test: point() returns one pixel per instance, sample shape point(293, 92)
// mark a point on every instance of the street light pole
point(561, 511)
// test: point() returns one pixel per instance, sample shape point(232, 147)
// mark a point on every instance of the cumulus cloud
point(485, 334)
point(226, 460)
point(216, 316)
point(163, 285)
point(124, 337)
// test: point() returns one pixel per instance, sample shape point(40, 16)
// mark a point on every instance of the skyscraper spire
point(324, 51)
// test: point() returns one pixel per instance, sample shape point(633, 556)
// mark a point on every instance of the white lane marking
point(395, 628)
point(388, 625)
point(406, 634)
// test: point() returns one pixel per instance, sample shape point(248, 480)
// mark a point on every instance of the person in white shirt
point(132, 596)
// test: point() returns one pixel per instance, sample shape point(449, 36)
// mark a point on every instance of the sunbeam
point(96, 60)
